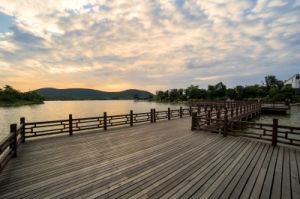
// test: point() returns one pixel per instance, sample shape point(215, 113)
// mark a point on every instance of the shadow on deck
point(164, 160)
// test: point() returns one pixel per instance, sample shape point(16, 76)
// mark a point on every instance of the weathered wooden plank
point(297, 153)
point(152, 180)
point(267, 186)
point(255, 193)
point(295, 180)
point(286, 175)
point(158, 183)
point(107, 148)
point(225, 181)
point(215, 172)
point(233, 185)
point(85, 158)
point(248, 173)
point(54, 186)
point(197, 175)
point(254, 176)
point(161, 160)
point(276, 188)
point(223, 174)
point(53, 182)
point(68, 168)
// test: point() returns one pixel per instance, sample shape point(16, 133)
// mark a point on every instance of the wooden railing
point(275, 133)
point(10, 144)
point(71, 125)
point(206, 116)
point(285, 105)
point(229, 122)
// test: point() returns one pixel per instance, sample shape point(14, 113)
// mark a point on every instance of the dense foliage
point(11, 96)
point(272, 90)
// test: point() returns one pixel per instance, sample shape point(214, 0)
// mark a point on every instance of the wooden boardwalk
point(162, 160)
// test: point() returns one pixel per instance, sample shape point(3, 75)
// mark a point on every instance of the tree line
point(271, 90)
point(11, 96)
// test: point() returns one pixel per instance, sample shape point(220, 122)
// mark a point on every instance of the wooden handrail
point(275, 133)
point(10, 144)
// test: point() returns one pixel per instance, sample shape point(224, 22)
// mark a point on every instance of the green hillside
point(90, 94)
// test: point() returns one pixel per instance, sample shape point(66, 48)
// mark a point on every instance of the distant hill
point(90, 94)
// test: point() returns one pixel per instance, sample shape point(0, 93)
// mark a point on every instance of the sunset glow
point(116, 45)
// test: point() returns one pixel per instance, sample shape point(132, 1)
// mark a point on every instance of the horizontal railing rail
point(276, 105)
point(218, 116)
point(228, 121)
point(43, 128)
point(10, 144)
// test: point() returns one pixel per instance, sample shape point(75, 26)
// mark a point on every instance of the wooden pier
point(279, 107)
point(154, 155)
point(161, 160)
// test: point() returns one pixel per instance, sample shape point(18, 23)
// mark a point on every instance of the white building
point(294, 81)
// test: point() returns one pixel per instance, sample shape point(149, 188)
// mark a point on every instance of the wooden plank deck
point(162, 160)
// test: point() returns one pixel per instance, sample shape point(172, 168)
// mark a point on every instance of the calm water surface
point(54, 110)
point(292, 119)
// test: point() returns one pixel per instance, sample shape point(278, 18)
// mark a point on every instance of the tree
point(231, 94)
point(136, 96)
point(174, 95)
point(160, 96)
point(193, 92)
point(9, 95)
point(274, 90)
point(270, 80)
point(217, 91)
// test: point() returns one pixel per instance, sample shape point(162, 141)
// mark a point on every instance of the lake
point(292, 119)
point(53, 110)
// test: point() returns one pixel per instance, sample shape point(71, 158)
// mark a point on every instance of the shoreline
point(19, 103)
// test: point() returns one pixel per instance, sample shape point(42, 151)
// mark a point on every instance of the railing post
point(218, 113)
point(22, 122)
point(169, 114)
point(225, 122)
point(105, 121)
point(194, 121)
point(131, 117)
point(70, 125)
point(274, 132)
point(151, 115)
point(208, 117)
point(154, 115)
point(191, 110)
point(180, 112)
point(218, 118)
point(14, 141)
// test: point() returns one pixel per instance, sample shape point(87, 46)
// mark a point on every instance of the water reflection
point(291, 119)
point(53, 110)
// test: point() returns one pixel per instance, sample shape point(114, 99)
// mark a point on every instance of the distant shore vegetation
point(12, 97)
point(271, 90)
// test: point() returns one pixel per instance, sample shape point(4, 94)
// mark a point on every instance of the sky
point(114, 45)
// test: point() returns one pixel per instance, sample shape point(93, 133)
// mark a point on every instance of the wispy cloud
point(159, 44)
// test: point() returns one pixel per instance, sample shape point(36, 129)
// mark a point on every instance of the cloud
point(155, 44)
point(24, 37)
